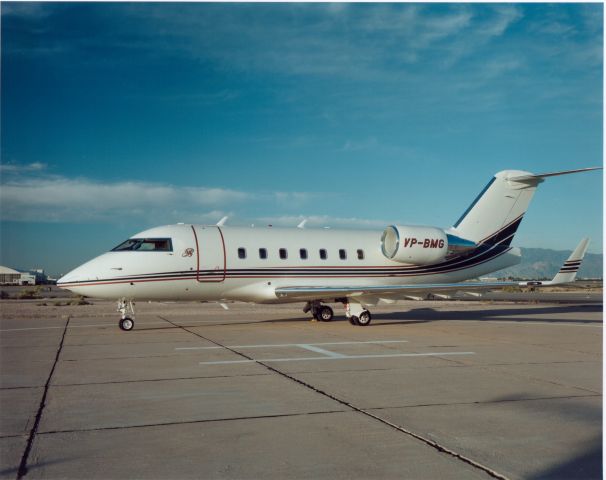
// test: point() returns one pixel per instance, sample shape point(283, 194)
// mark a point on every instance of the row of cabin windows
point(283, 253)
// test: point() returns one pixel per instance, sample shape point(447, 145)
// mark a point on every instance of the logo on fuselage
point(189, 252)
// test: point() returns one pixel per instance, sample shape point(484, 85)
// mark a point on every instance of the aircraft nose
point(75, 276)
point(67, 278)
point(85, 272)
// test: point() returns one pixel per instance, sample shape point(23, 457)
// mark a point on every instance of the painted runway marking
point(339, 357)
point(328, 353)
point(555, 324)
point(315, 347)
point(302, 345)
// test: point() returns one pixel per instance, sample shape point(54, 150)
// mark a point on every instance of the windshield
point(145, 245)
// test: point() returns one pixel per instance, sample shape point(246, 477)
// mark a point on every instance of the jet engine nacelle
point(417, 245)
point(421, 245)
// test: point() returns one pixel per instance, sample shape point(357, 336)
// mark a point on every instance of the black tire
point(352, 320)
point(126, 324)
point(364, 319)
point(325, 314)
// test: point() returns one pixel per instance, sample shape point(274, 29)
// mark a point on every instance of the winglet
point(302, 224)
point(569, 270)
point(221, 222)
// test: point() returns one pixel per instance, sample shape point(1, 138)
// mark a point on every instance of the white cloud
point(28, 196)
point(355, 41)
point(13, 168)
point(59, 199)
point(54, 198)
point(505, 15)
point(24, 9)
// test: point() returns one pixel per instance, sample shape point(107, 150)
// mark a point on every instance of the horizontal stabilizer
point(539, 177)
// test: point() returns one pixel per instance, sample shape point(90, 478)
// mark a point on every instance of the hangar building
point(9, 276)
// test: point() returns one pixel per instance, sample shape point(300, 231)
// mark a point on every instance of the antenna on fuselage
point(221, 222)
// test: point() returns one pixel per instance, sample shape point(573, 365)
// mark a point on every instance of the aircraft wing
point(372, 293)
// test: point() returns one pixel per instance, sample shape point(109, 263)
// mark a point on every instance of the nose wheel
point(126, 324)
point(127, 311)
point(363, 320)
point(357, 314)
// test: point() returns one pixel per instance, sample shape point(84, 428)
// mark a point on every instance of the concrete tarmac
point(433, 389)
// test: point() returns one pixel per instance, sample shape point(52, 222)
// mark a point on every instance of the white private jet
point(358, 268)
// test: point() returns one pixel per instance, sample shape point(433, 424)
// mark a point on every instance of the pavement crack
point(428, 441)
point(57, 385)
point(189, 422)
point(21, 388)
point(32, 435)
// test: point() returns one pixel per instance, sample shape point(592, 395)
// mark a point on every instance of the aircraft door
point(211, 259)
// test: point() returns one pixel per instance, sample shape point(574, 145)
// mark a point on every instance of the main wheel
point(364, 318)
point(325, 314)
point(353, 320)
point(126, 324)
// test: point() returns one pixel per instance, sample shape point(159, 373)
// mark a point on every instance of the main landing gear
point(127, 311)
point(354, 311)
point(319, 312)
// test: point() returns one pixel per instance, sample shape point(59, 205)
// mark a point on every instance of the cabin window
point(241, 252)
point(263, 253)
point(360, 254)
point(342, 254)
point(283, 254)
point(145, 245)
point(303, 253)
point(323, 255)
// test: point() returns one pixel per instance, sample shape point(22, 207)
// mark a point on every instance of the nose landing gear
point(357, 314)
point(127, 311)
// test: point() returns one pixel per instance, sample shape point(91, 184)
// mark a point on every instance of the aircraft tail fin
point(569, 270)
point(496, 213)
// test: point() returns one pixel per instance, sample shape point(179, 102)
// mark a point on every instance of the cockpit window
point(145, 245)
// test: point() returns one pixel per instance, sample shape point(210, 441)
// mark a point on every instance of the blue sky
point(121, 116)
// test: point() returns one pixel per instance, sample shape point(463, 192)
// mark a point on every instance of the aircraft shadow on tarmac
point(513, 315)
point(586, 464)
point(14, 471)
point(428, 314)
